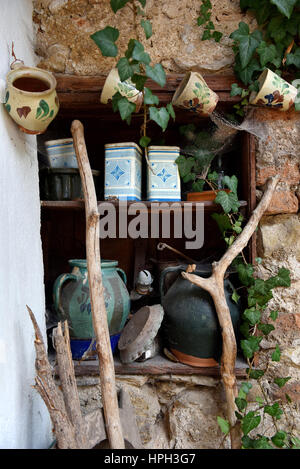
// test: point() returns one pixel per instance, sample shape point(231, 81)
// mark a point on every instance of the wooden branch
point(68, 383)
point(106, 364)
point(215, 286)
point(45, 385)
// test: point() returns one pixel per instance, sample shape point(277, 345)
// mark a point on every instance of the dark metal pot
point(190, 328)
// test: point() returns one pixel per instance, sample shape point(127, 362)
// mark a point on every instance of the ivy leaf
point(245, 273)
point(294, 59)
point(171, 111)
point(147, 27)
point(217, 36)
point(255, 374)
point(241, 403)
point(228, 201)
point(247, 46)
point(117, 4)
point(245, 74)
point(241, 32)
point(185, 165)
point(139, 81)
point(266, 328)
point(231, 183)
point(282, 279)
point(124, 69)
point(274, 315)
point(273, 410)
point(281, 381)
point(206, 35)
point(160, 116)
point(235, 297)
point(262, 443)
point(222, 221)
point(144, 141)
point(236, 90)
point(285, 6)
point(250, 346)
point(250, 421)
point(150, 98)
point(139, 54)
point(276, 354)
point(252, 316)
point(156, 74)
point(126, 108)
point(224, 425)
point(198, 185)
point(279, 439)
point(105, 40)
point(267, 53)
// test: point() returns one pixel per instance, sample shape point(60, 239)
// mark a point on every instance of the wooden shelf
point(81, 94)
point(79, 204)
point(156, 366)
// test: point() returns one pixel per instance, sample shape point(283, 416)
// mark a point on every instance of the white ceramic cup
point(126, 88)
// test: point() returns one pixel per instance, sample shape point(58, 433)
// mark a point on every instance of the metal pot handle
point(163, 275)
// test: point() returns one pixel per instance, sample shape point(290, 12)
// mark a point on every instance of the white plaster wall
point(24, 419)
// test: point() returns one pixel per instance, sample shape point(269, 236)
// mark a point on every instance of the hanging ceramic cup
point(113, 84)
point(273, 92)
point(194, 94)
point(30, 98)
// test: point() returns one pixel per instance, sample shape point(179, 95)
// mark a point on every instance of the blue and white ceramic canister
point(61, 153)
point(164, 180)
point(123, 171)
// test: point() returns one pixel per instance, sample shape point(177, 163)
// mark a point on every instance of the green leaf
point(266, 328)
point(247, 47)
point(139, 81)
point(171, 111)
point(149, 97)
point(276, 354)
point(125, 107)
point(262, 443)
point(228, 201)
point(246, 74)
point(139, 54)
point(117, 4)
point(235, 297)
point(160, 116)
point(147, 27)
point(156, 74)
point(296, 442)
point(259, 400)
point(281, 381)
point(250, 421)
point(185, 165)
point(255, 374)
point(236, 90)
point(105, 40)
point(241, 32)
point(224, 425)
point(124, 69)
point(274, 315)
point(247, 443)
point(273, 410)
point(282, 279)
point(250, 346)
point(252, 316)
point(241, 403)
point(231, 183)
point(245, 273)
point(206, 35)
point(217, 36)
point(279, 439)
point(222, 221)
point(198, 185)
point(285, 6)
point(267, 53)
point(294, 59)
point(144, 141)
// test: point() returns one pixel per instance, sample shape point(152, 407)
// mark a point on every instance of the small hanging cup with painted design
point(194, 94)
point(30, 98)
point(273, 92)
point(113, 84)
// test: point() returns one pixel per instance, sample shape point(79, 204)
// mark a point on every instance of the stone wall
point(64, 28)
point(176, 411)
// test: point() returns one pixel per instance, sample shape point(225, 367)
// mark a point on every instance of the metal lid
point(139, 332)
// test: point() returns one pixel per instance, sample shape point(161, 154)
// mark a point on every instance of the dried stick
point(215, 286)
point(106, 364)
point(68, 383)
point(44, 383)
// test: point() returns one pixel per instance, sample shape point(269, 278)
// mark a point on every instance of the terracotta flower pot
point(204, 196)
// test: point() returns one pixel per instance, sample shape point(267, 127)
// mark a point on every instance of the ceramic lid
point(139, 332)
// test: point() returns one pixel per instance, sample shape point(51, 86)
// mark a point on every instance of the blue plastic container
point(79, 346)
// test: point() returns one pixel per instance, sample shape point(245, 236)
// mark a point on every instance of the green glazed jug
point(72, 299)
point(190, 327)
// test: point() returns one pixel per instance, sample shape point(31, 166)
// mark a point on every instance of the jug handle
point(57, 289)
point(122, 274)
point(163, 275)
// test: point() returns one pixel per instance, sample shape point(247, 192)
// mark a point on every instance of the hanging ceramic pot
point(30, 98)
point(190, 327)
point(72, 303)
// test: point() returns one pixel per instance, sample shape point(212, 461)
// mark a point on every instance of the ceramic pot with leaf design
point(30, 98)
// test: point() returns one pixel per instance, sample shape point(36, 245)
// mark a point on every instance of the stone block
point(279, 233)
point(283, 202)
point(289, 172)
